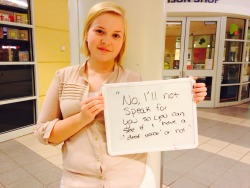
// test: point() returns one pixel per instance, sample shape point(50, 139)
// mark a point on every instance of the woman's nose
point(105, 40)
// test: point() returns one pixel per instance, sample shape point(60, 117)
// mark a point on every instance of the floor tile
point(231, 154)
point(210, 148)
point(238, 176)
point(56, 160)
point(55, 184)
point(183, 182)
point(170, 177)
point(245, 159)
point(39, 167)
point(219, 143)
point(19, 153)
point(49, 152)
point(209, 171)
point(239, 149)
point(168, 156)
point(203, 139)
point(6, 163)
point(13, 176)
point(50, 176)
point(245, 123)
point(29, 182)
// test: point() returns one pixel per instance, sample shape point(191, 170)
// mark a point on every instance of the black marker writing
point(130, 100)
point(170, 95)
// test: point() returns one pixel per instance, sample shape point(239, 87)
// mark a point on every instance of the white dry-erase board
point(150, 116)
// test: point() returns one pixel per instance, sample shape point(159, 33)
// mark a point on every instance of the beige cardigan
point(86, 162)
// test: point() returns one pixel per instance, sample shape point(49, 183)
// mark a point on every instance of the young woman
point(72, 111)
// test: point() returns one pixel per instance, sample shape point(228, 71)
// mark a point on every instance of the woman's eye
point(117, 36)
point(99, 31)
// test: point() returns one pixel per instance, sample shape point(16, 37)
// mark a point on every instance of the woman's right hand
point(90, 108)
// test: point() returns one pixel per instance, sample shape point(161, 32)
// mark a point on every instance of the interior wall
point(52, 40)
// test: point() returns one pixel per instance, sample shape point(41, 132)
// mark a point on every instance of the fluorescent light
point(173, 23)
point(19, 2)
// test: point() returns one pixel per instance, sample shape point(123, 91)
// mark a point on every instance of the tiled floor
point(222, 159)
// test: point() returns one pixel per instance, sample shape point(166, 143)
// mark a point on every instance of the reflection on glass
point(24, 115)
point(230, 73)
point(23, 4)
point(172, 45)
point(208, 82)
point(233, 51)
point(170, 77)
point(247, 52)
point(248, 31)
point(201, 45)
point(235, 28)
point(245, 91)
point(15, 44)
point(229, 93)
point(16, 81)
point(246, 73)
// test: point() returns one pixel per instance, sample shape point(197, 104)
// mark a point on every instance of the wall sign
point(193, 1)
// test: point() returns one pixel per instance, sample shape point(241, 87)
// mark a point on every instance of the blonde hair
point(94, 12)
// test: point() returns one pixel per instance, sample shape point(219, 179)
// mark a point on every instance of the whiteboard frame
point(108, 127)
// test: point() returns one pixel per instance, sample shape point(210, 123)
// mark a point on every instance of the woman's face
point(105, 37)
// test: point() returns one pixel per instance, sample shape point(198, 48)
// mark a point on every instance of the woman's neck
point(99, 67)
point(97, 75)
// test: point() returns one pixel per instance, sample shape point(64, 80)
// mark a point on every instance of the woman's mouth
point(103, 49)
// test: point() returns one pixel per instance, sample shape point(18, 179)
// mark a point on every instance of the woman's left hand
point(199, 91)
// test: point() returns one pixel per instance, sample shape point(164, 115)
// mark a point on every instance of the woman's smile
point(103, 49)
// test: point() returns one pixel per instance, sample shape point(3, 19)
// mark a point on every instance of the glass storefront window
point(15, 44)
point(172, 45)
point(233, 51)
point(247, 52)
point(246, 73)
point(235, 28)
point(18, 98)
point(170, 77)
point(248, 31)
point(23, 112)
point(16, 81)
point(229, 93)
point(245, 91)
point(208, 82)
point(201, 45)
point(230, 73)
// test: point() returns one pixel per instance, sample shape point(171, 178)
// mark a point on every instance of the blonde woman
point(72, 112)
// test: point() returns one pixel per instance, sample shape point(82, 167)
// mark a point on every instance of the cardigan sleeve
point(50, 112)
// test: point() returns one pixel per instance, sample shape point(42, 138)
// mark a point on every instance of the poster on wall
point(199, 55)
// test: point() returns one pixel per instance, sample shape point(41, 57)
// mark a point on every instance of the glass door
point(201, 53)
point(234, 62)
point(174, 48)
point(191, 49)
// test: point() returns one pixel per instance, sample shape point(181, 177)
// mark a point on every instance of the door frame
point(204, 73)
point(182, 71)
point(177, 72)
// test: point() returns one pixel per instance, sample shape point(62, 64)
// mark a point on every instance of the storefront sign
point(193, 1)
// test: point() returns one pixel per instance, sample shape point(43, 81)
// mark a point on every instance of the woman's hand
point(91, 107)
point(199, 91)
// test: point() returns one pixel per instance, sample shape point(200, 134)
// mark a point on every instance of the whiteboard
point(150, 116)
